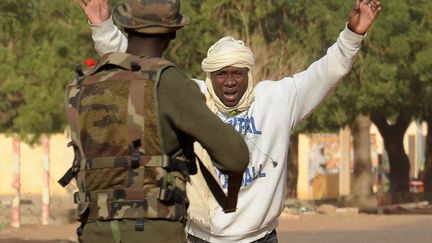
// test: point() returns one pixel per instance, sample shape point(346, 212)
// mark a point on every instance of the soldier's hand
point(363, 15)
point(97, 11)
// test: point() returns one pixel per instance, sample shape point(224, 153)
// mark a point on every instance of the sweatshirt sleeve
point(183, 105)
point(321, 78)
point(108, 38)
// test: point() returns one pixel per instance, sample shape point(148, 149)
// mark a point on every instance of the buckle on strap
point(169, 193)
point(80, 197)
point(135, 153)
point(76, 197)
point(67, 177)
point(181, 165)
point(172, 196)
point(72, 171)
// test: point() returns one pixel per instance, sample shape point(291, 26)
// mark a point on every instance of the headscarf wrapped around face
point(228, 52)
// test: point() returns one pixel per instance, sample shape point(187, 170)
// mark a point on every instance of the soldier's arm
point(182, 103)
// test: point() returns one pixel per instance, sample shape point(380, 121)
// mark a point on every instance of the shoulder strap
point(227, 202)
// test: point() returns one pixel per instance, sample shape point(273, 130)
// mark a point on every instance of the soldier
point(133, 119)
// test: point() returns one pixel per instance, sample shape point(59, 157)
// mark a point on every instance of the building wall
point(31, 166)
point(61, 159)
point(331, 142)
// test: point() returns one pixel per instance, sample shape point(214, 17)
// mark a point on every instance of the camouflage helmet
point(150, 16)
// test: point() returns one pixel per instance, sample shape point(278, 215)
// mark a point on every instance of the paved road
point(360, 228)
point(304, 228)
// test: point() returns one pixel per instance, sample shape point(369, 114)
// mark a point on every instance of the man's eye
point(239, 74)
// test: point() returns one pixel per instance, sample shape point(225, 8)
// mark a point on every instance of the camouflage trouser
point(123, 231)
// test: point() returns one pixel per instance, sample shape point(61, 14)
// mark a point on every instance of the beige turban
point(228, 52)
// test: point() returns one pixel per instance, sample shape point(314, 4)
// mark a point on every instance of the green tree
point(395, 100)
point(422, 66)
point(254, 22)
point(383, 85)
point(47, 40)
point(15, 16)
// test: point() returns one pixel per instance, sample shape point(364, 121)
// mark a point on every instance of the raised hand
point(363, 15)
point(97, 11)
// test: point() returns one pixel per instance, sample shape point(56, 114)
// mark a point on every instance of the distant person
point(133, 119)
point(264, 115)
point(317, 172)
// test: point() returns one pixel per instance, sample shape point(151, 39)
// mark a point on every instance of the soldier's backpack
point(119, 166)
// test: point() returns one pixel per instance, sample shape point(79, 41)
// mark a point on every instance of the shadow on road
point(399, 210)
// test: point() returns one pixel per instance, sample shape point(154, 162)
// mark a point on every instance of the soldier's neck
point(150, 47)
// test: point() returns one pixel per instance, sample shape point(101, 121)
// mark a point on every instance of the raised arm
point(97, 11)
point(363, 15)
point(106, 36)
point(319, 80)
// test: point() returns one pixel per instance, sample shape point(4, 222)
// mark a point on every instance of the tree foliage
point(41, 44)
point(390, 81)
point(254, 22)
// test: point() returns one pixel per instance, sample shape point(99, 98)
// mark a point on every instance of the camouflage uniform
point(133, 121)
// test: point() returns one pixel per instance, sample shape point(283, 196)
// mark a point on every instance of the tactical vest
point(119, 165)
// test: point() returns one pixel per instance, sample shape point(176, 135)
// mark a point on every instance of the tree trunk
point(362, 176)
point(393, 142)
point(10, 45)
point(292, 167)
point(427, 179)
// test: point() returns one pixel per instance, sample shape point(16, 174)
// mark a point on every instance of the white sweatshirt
point(266, 126)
